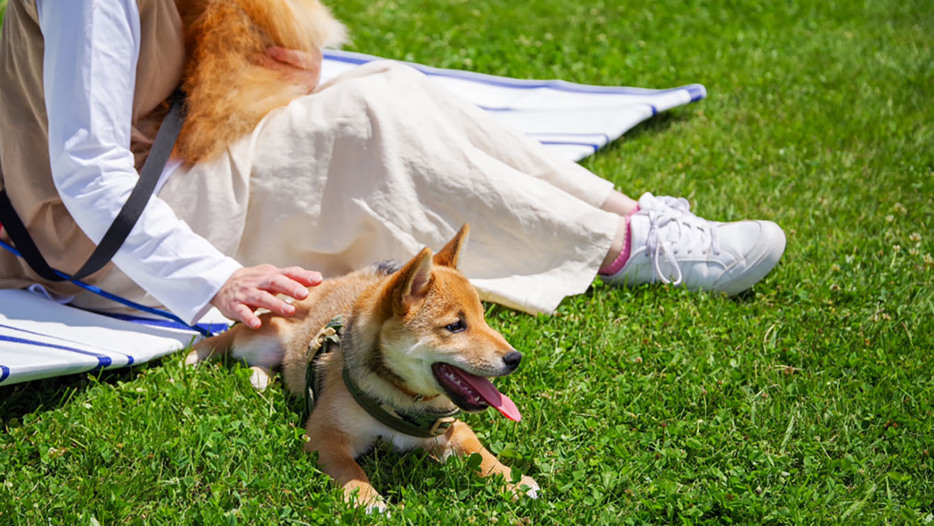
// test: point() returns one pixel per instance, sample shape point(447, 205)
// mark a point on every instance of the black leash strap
point(21, 238)
point(120, 228)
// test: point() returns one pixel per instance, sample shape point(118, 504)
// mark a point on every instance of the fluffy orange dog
point(415, 348)
point(230, 81)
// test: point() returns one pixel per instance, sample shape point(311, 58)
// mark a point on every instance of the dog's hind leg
point(261, 350)
point(201, 354)
point(261, 377)
point(213, 347)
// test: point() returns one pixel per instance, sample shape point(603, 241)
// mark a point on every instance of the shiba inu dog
point(415, 349)
point(229, 80)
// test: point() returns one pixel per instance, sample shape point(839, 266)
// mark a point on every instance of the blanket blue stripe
point(697, 91)
point(214, 328)
point(34, 333)
point(595, 147)
point(507, 109)
point(604, 136)
point(102, 360)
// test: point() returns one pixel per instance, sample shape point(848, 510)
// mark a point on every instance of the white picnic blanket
point(40, 338)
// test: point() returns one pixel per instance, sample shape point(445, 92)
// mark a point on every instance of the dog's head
point(434, 338)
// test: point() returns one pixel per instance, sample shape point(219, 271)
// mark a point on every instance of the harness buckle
point(441, 425)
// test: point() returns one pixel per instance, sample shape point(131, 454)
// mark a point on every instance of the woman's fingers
point(252, 288)
point(282, 284)
point(264, 300)
point(307, 278)
point(245, 315)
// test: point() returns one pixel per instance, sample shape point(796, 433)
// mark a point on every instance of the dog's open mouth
point(473, 393)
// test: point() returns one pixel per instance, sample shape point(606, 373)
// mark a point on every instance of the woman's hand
point(303, 68)
point(251, 288)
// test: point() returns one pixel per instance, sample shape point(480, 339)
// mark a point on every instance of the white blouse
point(91, 51)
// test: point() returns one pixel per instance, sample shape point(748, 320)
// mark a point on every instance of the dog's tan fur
point(228, 87)
point(396, 328)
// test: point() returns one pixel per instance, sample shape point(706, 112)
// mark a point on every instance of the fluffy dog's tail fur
point(228, 89)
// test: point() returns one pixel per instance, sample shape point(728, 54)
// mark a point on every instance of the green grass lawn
point(808, 401)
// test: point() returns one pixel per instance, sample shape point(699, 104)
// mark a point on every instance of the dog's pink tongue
point(491, 395)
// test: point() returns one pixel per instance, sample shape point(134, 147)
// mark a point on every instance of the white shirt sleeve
point(91, 51)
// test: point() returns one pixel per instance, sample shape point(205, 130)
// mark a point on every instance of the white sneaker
point(672, 245)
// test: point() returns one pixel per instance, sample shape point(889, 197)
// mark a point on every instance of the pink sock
point(623, 256)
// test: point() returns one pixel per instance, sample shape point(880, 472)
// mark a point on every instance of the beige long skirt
point(377, 164)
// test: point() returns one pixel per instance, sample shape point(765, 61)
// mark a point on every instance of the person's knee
point(388, 86)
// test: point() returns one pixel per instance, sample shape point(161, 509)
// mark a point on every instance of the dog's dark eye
point(457, 326)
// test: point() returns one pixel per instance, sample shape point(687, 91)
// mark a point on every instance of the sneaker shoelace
point(674, 228)
point(678, 203)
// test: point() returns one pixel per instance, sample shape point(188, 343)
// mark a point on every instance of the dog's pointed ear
point(451, 253)
point(413, 281)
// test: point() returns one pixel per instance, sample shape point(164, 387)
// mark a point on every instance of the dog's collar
point(415, 396)
point(422, 425)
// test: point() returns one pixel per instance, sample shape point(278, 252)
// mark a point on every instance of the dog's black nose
point(512, 359)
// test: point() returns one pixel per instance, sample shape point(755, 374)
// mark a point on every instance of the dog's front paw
point(377, 506)
point(527, 486)
point(194, 357)
point(365, 497)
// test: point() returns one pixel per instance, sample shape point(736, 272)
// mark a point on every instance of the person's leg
point(619, 203)
point(397, 163)
point(694, 253)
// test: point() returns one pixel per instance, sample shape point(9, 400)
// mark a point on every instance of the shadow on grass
point(655, 125)
point(645, 130)
point(648, 128)
point(19, 400)
point(655, 291)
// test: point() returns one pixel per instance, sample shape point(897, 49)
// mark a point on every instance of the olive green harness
point(422, 425)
